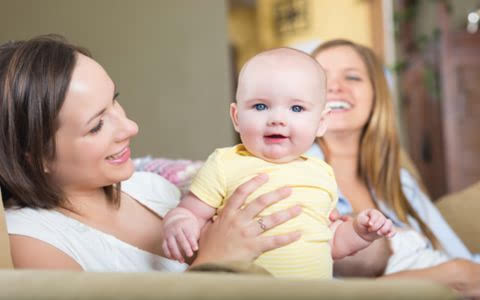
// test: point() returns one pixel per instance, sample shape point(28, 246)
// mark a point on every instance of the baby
point(279, 111)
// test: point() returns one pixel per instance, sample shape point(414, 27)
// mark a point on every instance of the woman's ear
point(234, 116)
point(323, 123)
point(46, 169)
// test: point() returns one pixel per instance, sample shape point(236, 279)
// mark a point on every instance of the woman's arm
point(235, 235)
point(459, 274)
point(30, 253)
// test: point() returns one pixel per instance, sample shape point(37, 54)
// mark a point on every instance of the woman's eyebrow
point(96, 115)
point(115, 95)
point(115, 92)
point(352, 69)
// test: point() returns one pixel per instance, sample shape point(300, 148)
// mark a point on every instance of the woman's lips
point(120, 157)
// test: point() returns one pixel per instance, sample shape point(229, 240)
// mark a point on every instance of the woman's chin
point(123, 172)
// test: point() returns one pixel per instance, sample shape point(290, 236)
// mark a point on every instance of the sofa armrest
point(461, 210)
point(156, 285)
point(5, 256)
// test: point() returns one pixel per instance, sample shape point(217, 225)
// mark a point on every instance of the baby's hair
point(279, 52)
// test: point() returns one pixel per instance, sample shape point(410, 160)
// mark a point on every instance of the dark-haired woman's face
point(92, 142)
point(349, 91)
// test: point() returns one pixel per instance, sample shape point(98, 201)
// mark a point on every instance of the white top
point(451, 244)
point(93, 249)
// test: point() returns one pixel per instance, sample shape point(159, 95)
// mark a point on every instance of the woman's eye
point(260, 106)
point(297, 108)
point(97, 128)
point(355, 78)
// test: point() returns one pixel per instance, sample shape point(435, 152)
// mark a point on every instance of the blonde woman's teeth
point(333, 105)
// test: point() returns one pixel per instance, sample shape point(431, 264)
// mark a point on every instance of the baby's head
point(280, 101)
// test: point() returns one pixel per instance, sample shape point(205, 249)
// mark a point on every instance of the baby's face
point(278, 112)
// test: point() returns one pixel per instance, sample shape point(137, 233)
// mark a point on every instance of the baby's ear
point(234, 116)
point(323, 125)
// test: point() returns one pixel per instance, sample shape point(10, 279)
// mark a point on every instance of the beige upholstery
point(155, 285)
point(462, 212)
point(5, 257)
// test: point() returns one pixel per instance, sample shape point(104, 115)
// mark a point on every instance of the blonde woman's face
point(349, 91)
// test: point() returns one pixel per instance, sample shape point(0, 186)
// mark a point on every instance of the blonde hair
point(379, 153)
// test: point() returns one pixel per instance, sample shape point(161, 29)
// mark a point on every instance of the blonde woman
point(362, 146)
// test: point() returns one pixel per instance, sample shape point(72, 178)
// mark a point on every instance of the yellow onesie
point(313, 187)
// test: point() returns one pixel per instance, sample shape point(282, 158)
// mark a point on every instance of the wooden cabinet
point(460, 77)
point(443, 121)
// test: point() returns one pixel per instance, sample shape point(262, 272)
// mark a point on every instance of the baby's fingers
point(166, 251)
point(184, 243)
point(192, 238)
point(387, 229)
point(363, 219)
point(173, 248)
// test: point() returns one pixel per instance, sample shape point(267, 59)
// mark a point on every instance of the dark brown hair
point(34, 78)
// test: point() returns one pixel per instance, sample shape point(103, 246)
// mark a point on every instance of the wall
point(326, 20)
point(168, 58)
point(254, 25)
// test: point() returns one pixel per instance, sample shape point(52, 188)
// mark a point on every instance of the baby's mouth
point(275, 138)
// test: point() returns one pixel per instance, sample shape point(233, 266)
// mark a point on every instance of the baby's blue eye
point(260, 106)
point(297, 108)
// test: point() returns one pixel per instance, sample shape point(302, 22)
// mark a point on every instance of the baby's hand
point(370, 224)
point(181, 232)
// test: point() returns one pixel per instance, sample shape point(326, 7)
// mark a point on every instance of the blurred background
point(175, 63)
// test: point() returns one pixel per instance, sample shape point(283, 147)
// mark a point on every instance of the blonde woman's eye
point(297, 108)
point(97, 128)
point(355, 78)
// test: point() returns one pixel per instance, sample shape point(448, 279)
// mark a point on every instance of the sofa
point(232, 281)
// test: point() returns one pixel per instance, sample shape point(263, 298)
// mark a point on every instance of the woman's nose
point(333, 85)
point(126, 129)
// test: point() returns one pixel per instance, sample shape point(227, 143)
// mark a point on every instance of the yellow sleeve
point(330, 183)
point(209, 183)
point(333, 191)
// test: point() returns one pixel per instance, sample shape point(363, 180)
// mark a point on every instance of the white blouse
point(93, 249)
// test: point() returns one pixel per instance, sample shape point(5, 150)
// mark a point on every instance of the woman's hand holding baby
point(235, 234)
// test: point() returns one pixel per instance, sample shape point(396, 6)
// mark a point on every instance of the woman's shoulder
point(153, 191)
point(19, 219)
point(48, 226)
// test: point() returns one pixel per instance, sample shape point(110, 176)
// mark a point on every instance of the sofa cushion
point(5, 257)
point(461, 210)
point(192, 285)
